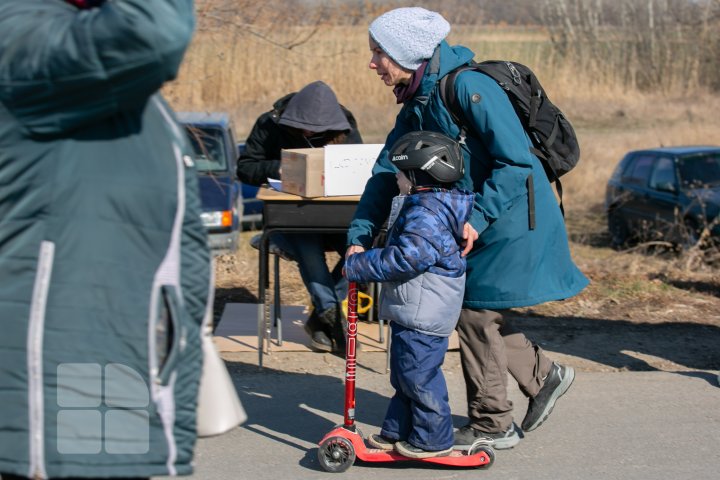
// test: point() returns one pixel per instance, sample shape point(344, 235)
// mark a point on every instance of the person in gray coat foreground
point(104, 266)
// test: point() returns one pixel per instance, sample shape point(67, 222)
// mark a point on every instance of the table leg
point(375, 296)
point(278, 312)
point(262, 289)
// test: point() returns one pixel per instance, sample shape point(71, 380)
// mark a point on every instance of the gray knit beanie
point(409, 35)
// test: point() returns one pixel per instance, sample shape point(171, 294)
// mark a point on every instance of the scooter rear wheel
point(488, 451)
point(336, 454)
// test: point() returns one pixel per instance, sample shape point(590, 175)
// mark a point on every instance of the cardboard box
point(302, 171)
point(334, 170)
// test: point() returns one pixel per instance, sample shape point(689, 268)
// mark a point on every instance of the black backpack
point(554, 140)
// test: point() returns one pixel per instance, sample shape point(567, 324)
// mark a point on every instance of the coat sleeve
point(62, 68)
point(261, 158)
point(494, 120)
point(411, 254)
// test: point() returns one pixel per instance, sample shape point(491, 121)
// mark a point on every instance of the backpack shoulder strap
point(449, 97)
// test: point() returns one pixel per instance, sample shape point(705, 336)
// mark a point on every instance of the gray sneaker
point(556, 383)
point(411, 451)
point(466, 437)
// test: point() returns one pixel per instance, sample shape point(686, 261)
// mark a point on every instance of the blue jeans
point(419, 412)
point(326, 288)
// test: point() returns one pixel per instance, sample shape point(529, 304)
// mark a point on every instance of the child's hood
point(454, 205)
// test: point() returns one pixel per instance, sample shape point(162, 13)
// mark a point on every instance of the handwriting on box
point(348, 167)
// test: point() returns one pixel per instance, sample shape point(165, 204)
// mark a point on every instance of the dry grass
point(244, 75)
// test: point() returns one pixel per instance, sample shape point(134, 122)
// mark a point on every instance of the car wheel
point(618, 229)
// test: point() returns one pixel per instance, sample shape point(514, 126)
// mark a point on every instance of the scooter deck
point(456, 458)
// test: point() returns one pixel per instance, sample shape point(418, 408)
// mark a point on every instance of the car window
point(620, 168)
point(663, 175)
point(700, 170)
point(638, 170)
point(208, 146)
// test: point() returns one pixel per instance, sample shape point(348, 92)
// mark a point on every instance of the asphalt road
point(620, 425)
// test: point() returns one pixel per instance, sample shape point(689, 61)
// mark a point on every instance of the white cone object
point(219, 408)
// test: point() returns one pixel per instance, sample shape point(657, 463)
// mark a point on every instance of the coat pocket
point(166, 343)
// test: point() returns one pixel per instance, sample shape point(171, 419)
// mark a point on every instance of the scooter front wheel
point(487, 451)
point(336, 454)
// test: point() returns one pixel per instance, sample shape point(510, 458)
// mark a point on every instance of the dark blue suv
point(211, 135)
point(668, 193)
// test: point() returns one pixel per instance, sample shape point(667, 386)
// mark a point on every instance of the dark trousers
point(419, 412)
point(490, 348)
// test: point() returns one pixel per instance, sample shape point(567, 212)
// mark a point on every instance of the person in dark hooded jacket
point(311, 117)
point(105, 273)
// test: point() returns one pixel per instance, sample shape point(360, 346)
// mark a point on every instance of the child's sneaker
point(381, 442)
point(410, 451)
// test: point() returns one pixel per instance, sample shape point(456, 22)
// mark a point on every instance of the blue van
point(221, 193)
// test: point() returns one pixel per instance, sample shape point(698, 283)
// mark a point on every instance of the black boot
point(334, 319)
point(319, 333)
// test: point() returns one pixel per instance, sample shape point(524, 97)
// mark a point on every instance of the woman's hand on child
point(469, 237)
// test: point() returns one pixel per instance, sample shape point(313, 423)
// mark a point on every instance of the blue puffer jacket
point(421, 261)
point(510, 264)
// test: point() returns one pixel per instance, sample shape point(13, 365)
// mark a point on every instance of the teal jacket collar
point(445, 59)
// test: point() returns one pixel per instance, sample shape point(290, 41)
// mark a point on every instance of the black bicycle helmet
point(430, 152)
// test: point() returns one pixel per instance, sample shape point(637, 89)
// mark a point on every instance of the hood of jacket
point(452, 206)
point(445, 59)
point(315, 108)
point(52, 81)
point(281, 105)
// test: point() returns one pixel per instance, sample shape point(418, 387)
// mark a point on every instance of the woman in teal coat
point(104, 268)
point(509, 264)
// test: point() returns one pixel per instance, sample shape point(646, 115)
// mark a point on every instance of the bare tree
point(650, 44)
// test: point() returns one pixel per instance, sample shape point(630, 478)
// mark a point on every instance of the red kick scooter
point(341, 446)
